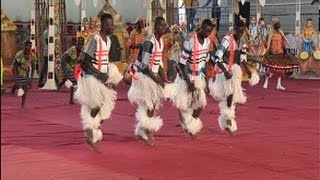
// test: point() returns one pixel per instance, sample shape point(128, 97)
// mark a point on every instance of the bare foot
point(229, 123)
point(93, 145)
point(89, 140)
point(193, 136)
point(150, 135)
point(145, 140)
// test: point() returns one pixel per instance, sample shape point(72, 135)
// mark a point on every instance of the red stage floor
point(278, 139)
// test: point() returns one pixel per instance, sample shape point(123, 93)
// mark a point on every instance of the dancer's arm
point(86, 58)
point(146, 51)
point(217, 58)
point(186, 51)
point(162, 74)
point(157, 79)
point(185, 75)
point(87, 66)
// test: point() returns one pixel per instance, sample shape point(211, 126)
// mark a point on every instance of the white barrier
point(50, 83)
point(32, 37)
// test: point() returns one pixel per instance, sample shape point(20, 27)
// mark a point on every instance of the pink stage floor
point(278, 139)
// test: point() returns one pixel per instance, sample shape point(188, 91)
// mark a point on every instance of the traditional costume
point(228, 91)
point(97, 100)
point(144, 91)
point(194, 57)
point(69, 61)
point(276, 61)
point(23, 64)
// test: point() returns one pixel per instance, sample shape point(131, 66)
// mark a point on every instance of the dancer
point(249, 71)
point(227, 85)
point(276, 61)
point(148, 82)
point(69, 61)
point(97, 101)
point(190, 97)
point(23, 64)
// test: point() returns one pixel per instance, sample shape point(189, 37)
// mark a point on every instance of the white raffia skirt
point(114, 74)
point(92, 93)
point(145, 92)
point(221, 88)
point(185, 100)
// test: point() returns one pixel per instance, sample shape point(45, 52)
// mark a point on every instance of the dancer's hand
point(227, 75)
point(207, 90)
point(161, 83)
point(103, 77)
point(191, 87)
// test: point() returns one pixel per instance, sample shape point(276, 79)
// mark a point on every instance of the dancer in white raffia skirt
point(147, 88)
point(96, 99)
point(227, 85)
point(190, 85)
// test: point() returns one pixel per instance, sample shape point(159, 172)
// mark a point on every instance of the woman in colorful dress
point(23, 64)
point(276, 61)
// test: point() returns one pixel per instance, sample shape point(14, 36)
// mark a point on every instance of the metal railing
point(286, 13)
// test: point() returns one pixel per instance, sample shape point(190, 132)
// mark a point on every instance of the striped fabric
point(71, 77)
point(98, 49)
point(195, 55)
point(224, 46)
point(150, 54)
point(22, 81)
